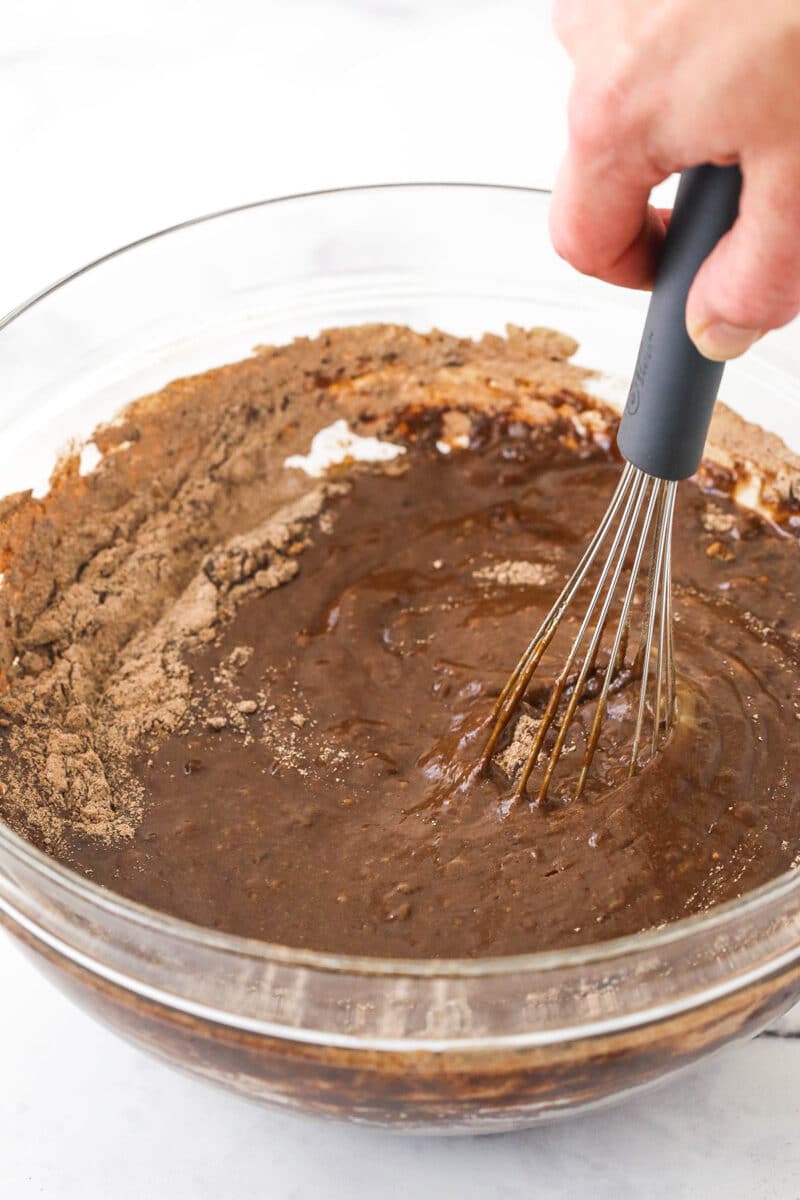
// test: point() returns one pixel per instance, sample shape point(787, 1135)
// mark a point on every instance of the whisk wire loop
point(517, 683)
point(642, 504)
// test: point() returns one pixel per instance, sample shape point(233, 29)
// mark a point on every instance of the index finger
point(602, 223)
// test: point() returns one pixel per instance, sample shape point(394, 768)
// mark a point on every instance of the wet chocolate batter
point(322, 794)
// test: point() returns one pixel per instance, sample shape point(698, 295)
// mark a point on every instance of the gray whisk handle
point(665, 424)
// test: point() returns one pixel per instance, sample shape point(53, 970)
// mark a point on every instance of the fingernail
point(720, 341)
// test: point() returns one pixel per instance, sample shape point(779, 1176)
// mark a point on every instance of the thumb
point(751, 281)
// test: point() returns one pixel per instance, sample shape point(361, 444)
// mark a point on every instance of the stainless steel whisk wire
point(636, 493)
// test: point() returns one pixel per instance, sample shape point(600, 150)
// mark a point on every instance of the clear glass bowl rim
point(715, 920)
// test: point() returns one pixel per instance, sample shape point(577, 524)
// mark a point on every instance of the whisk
point(661, 436)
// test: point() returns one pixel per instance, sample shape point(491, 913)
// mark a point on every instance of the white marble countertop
point(123, 118)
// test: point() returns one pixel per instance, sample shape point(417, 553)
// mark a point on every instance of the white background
point(120, 118)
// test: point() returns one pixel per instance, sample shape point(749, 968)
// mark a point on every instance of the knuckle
point(560, 236)
point(770, 306)
point(590, 120)
point(757, 274)
point(779, 284)
point(605, 114)
point(754, 304)
point(569, 244)
point(765, 292)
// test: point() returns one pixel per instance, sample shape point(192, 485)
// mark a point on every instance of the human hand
point(660, 85)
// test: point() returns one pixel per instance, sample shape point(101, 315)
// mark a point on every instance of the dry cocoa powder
point(111, 578)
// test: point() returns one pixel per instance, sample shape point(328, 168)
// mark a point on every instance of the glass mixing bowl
point(440, 1046)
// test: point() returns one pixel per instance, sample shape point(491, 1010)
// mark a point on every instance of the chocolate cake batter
point(288, 747)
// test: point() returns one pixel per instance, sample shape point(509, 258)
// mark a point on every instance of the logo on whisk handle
point(640, 374)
